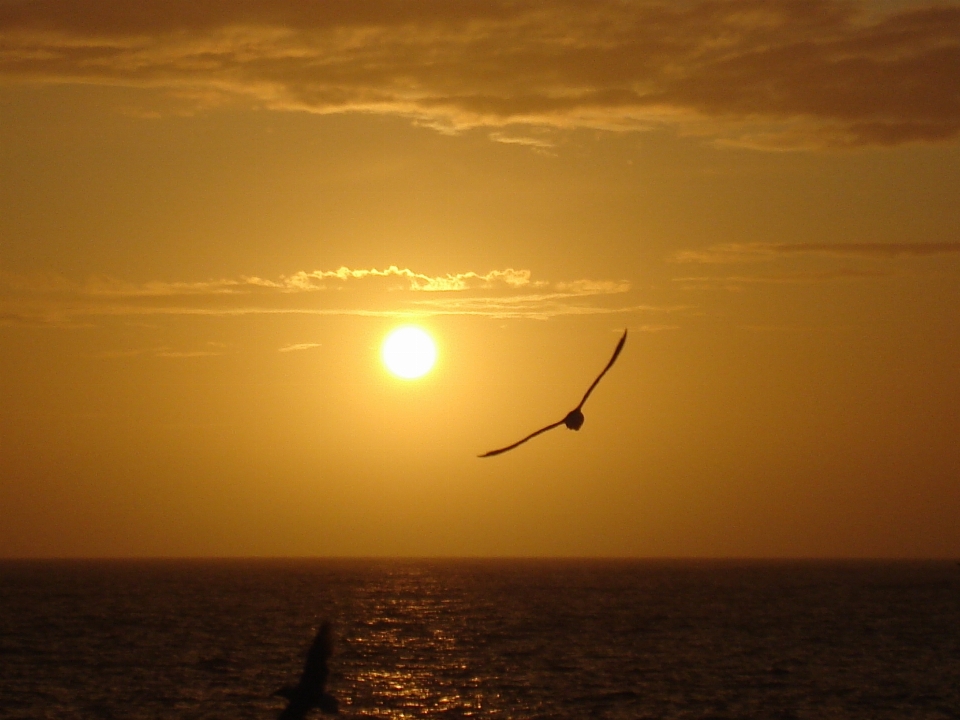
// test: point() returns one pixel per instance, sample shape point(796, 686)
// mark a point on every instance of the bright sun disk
point(409, 352)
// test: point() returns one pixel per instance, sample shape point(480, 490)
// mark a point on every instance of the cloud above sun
point(796, 73)
point(388, 292)
point(304, 281)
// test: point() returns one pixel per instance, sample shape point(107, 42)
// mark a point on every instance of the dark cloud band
point(793, 73)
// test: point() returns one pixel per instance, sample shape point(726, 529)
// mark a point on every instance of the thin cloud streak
point(417, 281)
point(179, 354)
point(763, 252)
point(67, 315)
point(160, 352)
point(790, 74)
point(499, 293)
point(736, 282)
point(307, 282)
point(544, 147)
point(311, 281)
point(298, 346)
point(653, 328)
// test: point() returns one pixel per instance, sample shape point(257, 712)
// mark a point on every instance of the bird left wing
point(521, 442)
point(613, 359)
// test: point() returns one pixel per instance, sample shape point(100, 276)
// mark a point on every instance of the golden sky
point(213, 211)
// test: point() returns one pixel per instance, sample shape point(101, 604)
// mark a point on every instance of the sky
point(212, 213)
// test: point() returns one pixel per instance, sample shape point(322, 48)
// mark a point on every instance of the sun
point(409, 352)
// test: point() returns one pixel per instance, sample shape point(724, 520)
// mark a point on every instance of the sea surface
point(483, 638)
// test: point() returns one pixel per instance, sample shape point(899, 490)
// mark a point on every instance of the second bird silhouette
point(311, 691)
point(574, 418)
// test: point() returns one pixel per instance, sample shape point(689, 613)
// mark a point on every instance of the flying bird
point(311, 692)
point(574, 418)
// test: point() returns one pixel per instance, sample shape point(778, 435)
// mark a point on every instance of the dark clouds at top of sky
point(802, 73)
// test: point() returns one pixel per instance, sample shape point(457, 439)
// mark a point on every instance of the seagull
point(310, 692)
point(574, 418)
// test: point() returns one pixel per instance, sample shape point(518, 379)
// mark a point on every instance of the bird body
point(574, 418)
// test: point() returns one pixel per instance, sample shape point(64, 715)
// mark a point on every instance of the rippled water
point(489, 639)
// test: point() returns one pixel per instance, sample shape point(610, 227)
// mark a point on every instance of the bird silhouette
point(574, 418)
point(311, 692)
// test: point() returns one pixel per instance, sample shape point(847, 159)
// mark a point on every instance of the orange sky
point(211, 213)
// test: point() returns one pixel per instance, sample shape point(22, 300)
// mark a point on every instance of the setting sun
point(409, 352)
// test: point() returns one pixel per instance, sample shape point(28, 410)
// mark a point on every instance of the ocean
point(617, 639)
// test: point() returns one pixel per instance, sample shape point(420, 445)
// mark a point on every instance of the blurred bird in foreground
point(311, 692)
point(574, 418)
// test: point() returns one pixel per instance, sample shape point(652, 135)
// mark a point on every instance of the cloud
point(735, 283)
point(417, 281)
point(19, 314)
point(177, 354)
point(304, 281)
point(763, 252)
point(794, 73)
point(593, 287)
point(161, 352)
point(363, 293)
point(655, 328)
point(111, 287)
point(298, 346)
point(537, 144)
point(542, 307)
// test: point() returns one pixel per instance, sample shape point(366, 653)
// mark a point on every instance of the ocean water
point(485, 639)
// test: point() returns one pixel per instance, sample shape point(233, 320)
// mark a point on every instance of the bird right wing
point(521, 442)
point(613, 359)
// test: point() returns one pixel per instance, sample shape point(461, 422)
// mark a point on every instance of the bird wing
point(315, 668)
point(521, 442)
point(613, 359)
